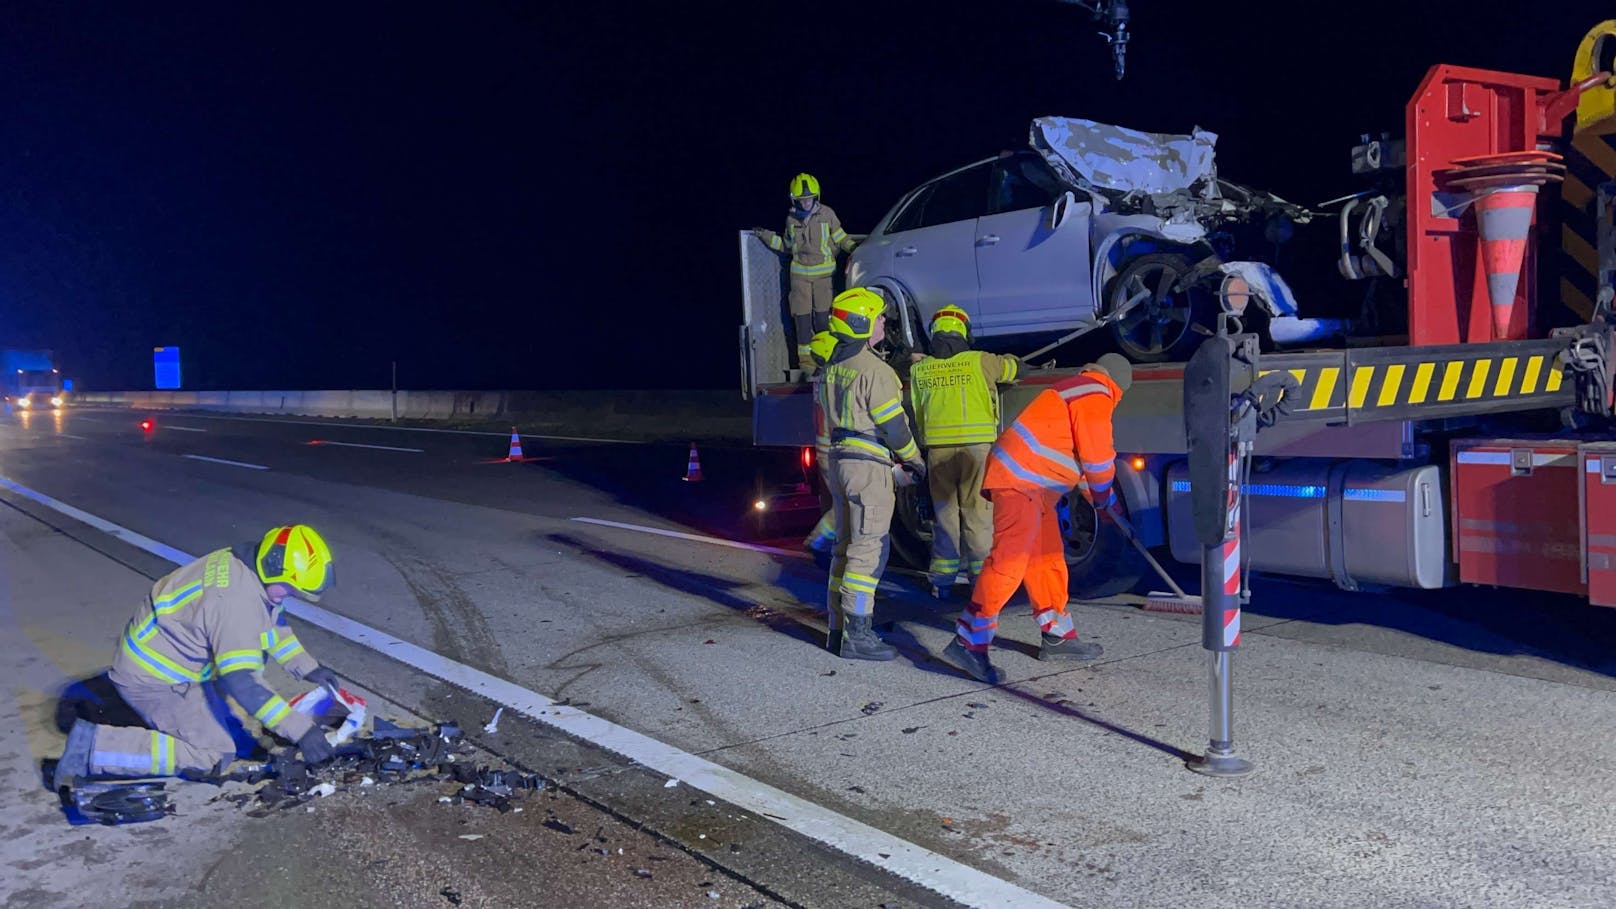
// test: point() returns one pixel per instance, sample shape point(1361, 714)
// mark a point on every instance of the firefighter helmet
point(297, 556)
point(854, 311)
point(950, 319)
point(804, 185)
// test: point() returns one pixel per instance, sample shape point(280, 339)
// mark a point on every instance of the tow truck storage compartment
point(1512, 497)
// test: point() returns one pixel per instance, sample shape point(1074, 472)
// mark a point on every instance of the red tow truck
point(1475, 448)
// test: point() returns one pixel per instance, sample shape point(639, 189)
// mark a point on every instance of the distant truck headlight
point(56, 401)
point(24, 402)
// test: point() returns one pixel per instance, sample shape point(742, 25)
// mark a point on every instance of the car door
point(931, 240)
point(1030, 276)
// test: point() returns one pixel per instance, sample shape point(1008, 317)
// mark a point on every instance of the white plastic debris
point(670, 784)
point(493, 724)
point(712, 894)
point(367, 781)
point(444, 800)
point(323, 790)
point(471, 836)
point(322, 702)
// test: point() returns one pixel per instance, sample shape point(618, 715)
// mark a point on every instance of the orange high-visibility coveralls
point(1060, 442)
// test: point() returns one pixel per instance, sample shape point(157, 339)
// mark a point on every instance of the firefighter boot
point(860, 642)
point(75, 760)
point(972, 663)
point(1056, 648)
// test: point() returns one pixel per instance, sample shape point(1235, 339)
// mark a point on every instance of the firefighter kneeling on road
point(956, 396)
point(1060, 441)
point(862, 403)
point(203, 633)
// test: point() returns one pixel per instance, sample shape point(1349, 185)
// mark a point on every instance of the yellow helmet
point(804, 185)
point(950, 319)
point(854, 311)
point(822, 345)
point(297, 556)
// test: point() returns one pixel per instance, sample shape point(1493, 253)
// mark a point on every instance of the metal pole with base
point(1220, 631)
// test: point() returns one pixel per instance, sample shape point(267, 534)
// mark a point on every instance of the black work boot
point(974, 664)
point(1055, 648)
point(860, 642)
point(75, 760)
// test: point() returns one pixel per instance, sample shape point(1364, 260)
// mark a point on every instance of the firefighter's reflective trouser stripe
point(823, 535)
point(1027, 548)
point(187, 732)
point(962, 523)
point(809, 303)
point(864, 500)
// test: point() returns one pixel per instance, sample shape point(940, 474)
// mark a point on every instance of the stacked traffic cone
point(1504, 219)
point(693, 468)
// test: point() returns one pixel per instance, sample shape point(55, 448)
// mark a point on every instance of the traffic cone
point(693, 469)
point(515, 453)
point(1504, 219)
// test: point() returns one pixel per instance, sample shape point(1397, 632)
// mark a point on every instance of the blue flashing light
point(1375, 495)
point(166, 365)
point(1309, 491)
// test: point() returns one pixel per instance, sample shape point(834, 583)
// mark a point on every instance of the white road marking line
point(182, 428)
point(358, 445)
point(878, 848)
point(888, 586)
point(458, 432)
point(196, 457)
point(68, 435)
point(695, 537)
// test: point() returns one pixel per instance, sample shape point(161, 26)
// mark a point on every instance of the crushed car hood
point(1173, 177)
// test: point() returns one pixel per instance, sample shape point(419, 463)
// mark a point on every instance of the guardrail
point(636, 413)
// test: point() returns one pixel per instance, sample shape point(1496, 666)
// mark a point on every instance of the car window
point(958, 197)
point(1021, 182)
point(909, 217)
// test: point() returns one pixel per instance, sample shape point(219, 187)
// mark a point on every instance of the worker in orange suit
point(1060, 442)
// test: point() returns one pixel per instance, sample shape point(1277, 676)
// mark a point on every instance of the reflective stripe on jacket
point(862, 403)
point(957, 398)
point(209, 619)
point(812, 242)
point(1061, 441)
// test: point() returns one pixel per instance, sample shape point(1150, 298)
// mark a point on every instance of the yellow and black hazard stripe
point(1590, 168)
point(1424, 382)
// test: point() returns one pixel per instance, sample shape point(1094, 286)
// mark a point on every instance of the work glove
point(315, 748)
point(323, 676)
point(916, 469)
point(761, 234)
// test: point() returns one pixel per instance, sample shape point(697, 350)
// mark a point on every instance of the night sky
point(546, 195)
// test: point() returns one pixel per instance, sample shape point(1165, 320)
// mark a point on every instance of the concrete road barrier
point(629, 414)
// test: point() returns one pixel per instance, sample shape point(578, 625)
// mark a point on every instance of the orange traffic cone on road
point(515, 453)
point(693, 468)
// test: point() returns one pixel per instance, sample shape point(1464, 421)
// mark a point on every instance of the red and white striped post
point(1220, 618)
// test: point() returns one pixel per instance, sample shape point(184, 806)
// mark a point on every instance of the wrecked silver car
point(1090, 226)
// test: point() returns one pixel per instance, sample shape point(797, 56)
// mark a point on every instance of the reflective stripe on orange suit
point(1060, 441)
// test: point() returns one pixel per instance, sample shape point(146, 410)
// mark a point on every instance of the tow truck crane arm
point(1114, 15)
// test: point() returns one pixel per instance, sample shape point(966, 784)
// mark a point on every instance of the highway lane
point(1067, 782)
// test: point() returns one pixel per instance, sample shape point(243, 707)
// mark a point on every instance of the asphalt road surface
point(1447, 749)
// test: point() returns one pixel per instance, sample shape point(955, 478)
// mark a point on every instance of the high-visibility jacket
point(210, 619)
point(812, 242)
point(1061, 441)
point(862, 403)
point(957, 398)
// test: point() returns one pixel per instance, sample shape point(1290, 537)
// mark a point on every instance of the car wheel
point(1162, 325)
point(1100, 561)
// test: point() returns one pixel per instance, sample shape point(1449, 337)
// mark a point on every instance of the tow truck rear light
point(807, 458)
point(146, 425)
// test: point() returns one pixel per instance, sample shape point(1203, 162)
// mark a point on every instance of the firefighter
point(204, 632)
point(822, 539)
point(956, 398)
point(862, 401)
point(812, 238)
point(1061, 441)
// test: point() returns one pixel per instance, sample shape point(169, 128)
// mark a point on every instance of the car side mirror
point(1061, 210)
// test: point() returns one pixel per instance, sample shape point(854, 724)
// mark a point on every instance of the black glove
point(320, 675)
point(315, 748)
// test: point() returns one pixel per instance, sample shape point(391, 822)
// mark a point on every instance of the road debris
point(450, 894)
point(492, 726)
point(472, 836)
point(911, 730)
point(111, 805)
point(871, 707)
point(559, 826)
point(670, 784)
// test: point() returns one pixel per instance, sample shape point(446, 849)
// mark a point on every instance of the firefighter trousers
point(188, 732)
point(962, 520)
point(861, 490)
point(808, 300)
point(1028, 548)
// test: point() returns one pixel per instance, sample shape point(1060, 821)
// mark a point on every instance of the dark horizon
point(517, 198)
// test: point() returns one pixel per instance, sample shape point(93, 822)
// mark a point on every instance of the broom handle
point(1133, 538)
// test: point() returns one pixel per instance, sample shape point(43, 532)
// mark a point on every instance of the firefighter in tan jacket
point(204, 632)
point(862, 401)
point(812, 238)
